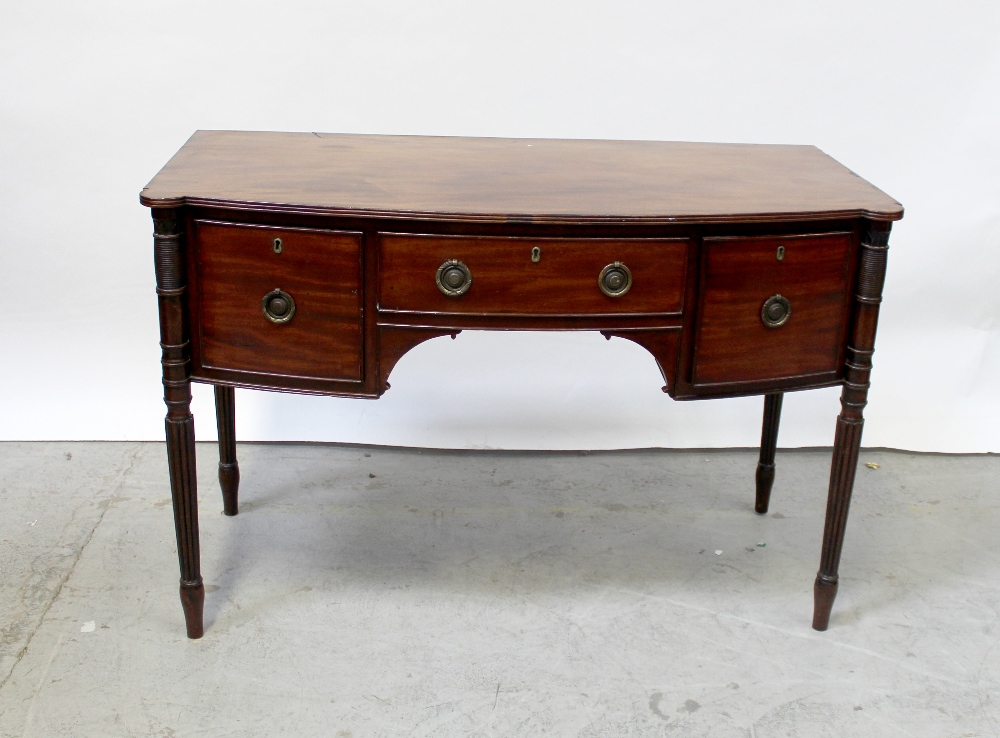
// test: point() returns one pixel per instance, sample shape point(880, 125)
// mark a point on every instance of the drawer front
point(528, 276)
point(733, 343)
point(239, 265)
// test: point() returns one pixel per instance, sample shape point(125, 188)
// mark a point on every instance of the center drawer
point(531, 276)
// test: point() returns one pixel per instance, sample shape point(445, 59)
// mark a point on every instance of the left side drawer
point(310, 326)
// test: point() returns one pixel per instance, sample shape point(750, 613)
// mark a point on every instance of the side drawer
point(733, 344)
point(531, 276)
point(238, 266)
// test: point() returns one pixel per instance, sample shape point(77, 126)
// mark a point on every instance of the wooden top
point(521, 179)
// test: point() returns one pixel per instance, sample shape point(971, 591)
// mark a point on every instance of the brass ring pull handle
point(776, 311)
point(279, 307)
point(615, 279)
point(453, 278)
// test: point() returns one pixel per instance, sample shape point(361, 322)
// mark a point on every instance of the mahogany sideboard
point(305, 262)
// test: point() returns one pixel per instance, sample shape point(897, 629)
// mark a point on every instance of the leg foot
point(824, 593)
point(229, 480)
point(765, 480)
point(193, 602)
point(768, 445)
point(229, 469)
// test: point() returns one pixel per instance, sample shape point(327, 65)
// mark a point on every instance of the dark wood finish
point(850, 423)
point(394, 341)
point(504, 179)
point(768, 445)
point(366, 221)
point(505, 280)
point(170, 287)
point(321, 269)
point(662, 344)
point(733, 345)
point(229, 468)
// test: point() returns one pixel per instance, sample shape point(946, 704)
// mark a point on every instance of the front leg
point(853, 398)
point(167, 237)
point(846, 447)
point(229, 468)
point(184, 493)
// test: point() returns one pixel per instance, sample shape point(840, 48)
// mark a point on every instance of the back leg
point(229, 469)
point(768, 444)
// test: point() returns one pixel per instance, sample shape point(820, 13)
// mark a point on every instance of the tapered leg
point(850, 423)
point(184, 492)
point(845, 462)
point(229, 469)
point(768, 444)
point(167, 240)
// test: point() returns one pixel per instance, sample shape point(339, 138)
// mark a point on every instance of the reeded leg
point(845, 463)
point(167, 240)
point(229, 469)
point(768, 444)
point(850, 423)
point(184, 491)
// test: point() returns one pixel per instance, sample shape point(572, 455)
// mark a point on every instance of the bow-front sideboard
point(305, 262)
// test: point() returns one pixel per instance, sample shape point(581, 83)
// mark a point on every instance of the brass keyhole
point(277, 245)
point(536, 254)
point(781, 253)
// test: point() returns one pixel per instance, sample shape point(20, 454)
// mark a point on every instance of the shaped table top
point(513, 179)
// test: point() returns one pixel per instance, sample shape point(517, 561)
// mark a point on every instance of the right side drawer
point(742, 278)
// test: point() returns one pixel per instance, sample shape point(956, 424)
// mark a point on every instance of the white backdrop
point(95, 97)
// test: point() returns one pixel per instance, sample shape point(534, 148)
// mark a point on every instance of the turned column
point(853, 398)
point(768, 445)
point(229, 469)
point(169, 258)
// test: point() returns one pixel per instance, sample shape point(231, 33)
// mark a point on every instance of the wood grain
point(739, 274)
point(321, 270)
point(506, 281)
point(698, 225)
point(504, 179)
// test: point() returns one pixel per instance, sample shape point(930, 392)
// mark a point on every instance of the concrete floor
point(366, 591)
